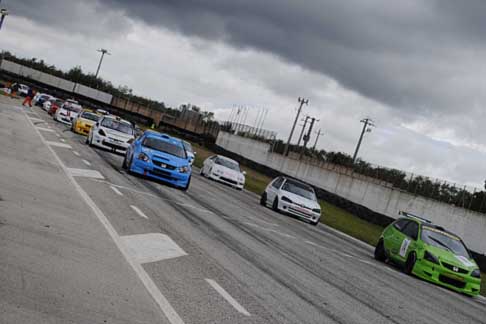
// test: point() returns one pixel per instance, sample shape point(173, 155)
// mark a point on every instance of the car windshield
point(228, 163)
point(89, 115)
point(299, 189)
point(120, 126)
point(164, 146)
point(444, 240)
point(188, 146)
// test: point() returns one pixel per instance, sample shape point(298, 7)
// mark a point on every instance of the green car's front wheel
point(412, 258)
point(380, 254)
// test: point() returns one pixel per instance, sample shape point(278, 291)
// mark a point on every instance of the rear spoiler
point(410, 215)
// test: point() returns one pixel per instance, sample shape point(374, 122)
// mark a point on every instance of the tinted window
point(444, 240)
point(120, 126)
point(411, 230)
point(164, 146)
point(187, 146)
point(277, 183)
point(299, 189)
point(400, 224)
point(228, 163)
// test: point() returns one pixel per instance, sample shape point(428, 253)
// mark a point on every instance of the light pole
point(103, 52)
point(366, 122)
point(302, 101)
point(303, 130)
point(3, 14)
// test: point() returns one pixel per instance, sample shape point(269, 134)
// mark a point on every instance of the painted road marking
point(36, 119)
point(58, 135)
point(152, 247)
point(57, 144)
point(169, 311)
point(86, 162)
point(228, 297)
point(63, 140)
point(118, 192)
point(45, 129)
point(269, 230)
point(76, 153)
point(139, 212)
point(88, 173)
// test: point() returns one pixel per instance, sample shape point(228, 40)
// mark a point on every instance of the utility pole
point(303, 130)
point(103, 52)
point(366, 122)
point(302, 101)
point(307, 136)
point(3, 14)
point(319, 133)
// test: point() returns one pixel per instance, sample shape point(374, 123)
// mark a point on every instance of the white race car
point(292, 197)
point(224, 170)
point(67, 112)
point(112, 133)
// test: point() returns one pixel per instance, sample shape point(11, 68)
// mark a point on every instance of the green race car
point(429, 252)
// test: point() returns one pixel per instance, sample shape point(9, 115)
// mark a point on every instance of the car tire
point(380, 254)
point(315, 223)
point(275, 205)
point(201, 172)
point(91, 141)
point(124, 163)
point(263, 199)
point(187, 185)
point(410, 263)
point(87, 139)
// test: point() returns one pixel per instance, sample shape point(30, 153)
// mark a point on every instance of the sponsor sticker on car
point(404, 247)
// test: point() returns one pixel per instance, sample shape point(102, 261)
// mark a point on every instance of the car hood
point(451, 258)
point(300, 200)
point(228, 173)
point(116, 134)
point(166, 157)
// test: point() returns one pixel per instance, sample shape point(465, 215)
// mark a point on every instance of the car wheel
point(91, 141)
point(275, 205)
point(87, 139)
point(263, 199)
point(201, 172)
point(380, 251)
point(187, 185)
point(412, 258)
point(315, 223)
point(124, 164)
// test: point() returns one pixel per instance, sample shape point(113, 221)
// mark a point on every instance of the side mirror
point(130, 141)
point(195, 152)
point(97, 124)
point(244, 172)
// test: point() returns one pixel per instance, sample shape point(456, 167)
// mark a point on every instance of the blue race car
point(159, 156)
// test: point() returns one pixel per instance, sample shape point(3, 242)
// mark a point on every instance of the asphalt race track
point(82, 241)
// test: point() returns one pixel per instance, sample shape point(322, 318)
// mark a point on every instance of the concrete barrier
point(374, 194)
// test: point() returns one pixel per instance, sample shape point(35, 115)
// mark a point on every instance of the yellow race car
point(84, 121)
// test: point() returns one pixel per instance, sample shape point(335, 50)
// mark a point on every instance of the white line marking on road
point(58, 135)
point(45, 129)
point(228, 297)
point(86, 162)
point(147, 281)
point(269, 230)
point(138, 211)
point(62, 140)
point(50, 143)
point(76, 153)
point(85, 173)
point(36, 119)
point(118, 192)
point(152, 247)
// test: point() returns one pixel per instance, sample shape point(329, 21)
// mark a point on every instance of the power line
point(302, 101)
point(367, 124)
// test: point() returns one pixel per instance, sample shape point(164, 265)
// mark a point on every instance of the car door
point(208, 164)
point(409, 241)
point(273, 188)
point(395, 237)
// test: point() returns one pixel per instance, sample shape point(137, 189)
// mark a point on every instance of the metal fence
point(248, 131)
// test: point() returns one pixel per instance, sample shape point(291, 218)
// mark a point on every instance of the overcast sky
point(415, 67)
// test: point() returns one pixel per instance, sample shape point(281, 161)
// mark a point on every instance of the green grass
point(333, 216)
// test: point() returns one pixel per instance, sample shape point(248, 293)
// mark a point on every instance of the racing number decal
point(404, 247)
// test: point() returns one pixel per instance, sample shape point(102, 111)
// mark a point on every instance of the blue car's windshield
point(444, 240)
point(164, 146)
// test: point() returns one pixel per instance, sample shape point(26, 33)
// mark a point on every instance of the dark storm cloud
point(419, 55)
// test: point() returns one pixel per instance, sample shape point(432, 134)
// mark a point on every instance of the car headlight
point(317, 210)
point(286, 199)
point(430, 257)
point(184, 169)
point(476, 273)
point(101, 132)
point(144, 157)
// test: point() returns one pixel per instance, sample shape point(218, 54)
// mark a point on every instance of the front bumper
point(169, 176)
point(301, 212)
point(230, 182)
point(442, 276)
point(64, 119)
point(109, 144)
